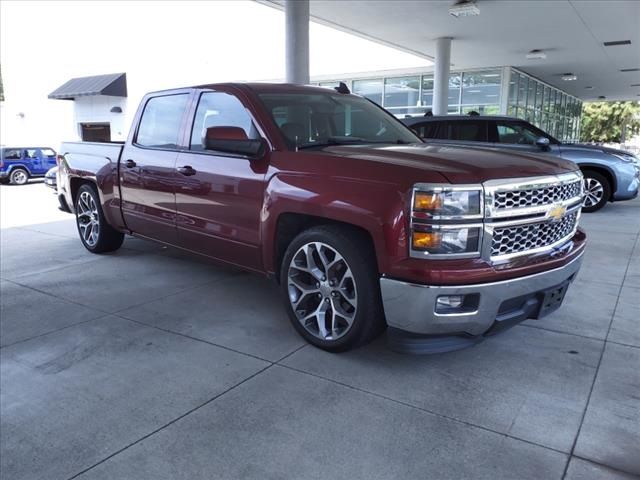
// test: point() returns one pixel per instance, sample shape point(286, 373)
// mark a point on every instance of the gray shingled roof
point(114, 84)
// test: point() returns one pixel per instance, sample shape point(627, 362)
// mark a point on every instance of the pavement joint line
point(196, 339)
point(55, 296)
point(424, 410)
point(179, 292)
point(615, 342)
point(609, 467)
point(180, 417)
point(546, 329)
point(604, 346)
point(101, 317)
point(305, 344)
point(56, 268)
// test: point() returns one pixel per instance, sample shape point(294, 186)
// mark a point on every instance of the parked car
point(609, 174)
point(51, 178)
point(17, 165)
point(362, 224)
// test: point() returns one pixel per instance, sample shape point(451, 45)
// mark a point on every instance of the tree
point(609, 121)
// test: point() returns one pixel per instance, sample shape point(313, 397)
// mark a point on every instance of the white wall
point(97, 109)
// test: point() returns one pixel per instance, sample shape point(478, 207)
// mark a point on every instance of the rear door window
point(467, 130)
point(161, 120)
point(426, 129)
point(516, 133)
point(219, 109)
point(47, 152)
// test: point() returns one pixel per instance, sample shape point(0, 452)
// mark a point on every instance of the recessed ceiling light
point(630, 70)
point(589, 88)
point(536, 55)
point(569, 77)
point(617, 42)
point(464, 8)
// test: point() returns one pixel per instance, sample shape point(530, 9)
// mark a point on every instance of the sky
point(159, 44)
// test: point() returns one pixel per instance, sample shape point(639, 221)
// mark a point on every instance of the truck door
point(147, 169)
point(219, 198)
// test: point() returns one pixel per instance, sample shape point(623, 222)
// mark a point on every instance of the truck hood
point(457, 164)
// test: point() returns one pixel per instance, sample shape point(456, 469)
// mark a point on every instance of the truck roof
point(256, 87)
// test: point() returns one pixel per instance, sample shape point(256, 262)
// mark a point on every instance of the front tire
point(597, 191)
point(96, 234)
point(330, 285)
point(19, 176)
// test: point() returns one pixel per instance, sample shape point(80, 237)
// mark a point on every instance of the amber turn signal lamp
point(427, 201)
point(425, 240)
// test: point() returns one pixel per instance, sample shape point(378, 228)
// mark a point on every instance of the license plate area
point(552, 299)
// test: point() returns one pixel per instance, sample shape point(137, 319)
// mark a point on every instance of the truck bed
point(110, 150)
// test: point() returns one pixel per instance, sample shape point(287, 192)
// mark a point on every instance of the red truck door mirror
point(233, 140)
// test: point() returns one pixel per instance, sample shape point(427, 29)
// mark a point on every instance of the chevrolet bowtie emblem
point(557, 213)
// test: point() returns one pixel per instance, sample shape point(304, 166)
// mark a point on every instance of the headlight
point(447, 202)
point(441, 240)
point(446, 221)
point(625, 158)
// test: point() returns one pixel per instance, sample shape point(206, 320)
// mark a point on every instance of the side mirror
point(232, 140)
point(543, 143)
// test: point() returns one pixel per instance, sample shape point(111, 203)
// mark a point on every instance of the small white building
point(100, 103)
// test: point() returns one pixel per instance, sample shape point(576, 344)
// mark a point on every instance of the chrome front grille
point(537, 196)
point(530, 215)
point(532, 236)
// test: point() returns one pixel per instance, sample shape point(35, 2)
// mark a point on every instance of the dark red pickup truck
point(363, 225)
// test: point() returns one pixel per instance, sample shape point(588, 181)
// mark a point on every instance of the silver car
point(609, 174)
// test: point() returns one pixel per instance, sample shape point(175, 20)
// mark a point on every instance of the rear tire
point(597, 191)
point(331, 288)
point(19, 176)
point(96, 234)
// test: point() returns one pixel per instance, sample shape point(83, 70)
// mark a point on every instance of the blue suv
point(18, 164)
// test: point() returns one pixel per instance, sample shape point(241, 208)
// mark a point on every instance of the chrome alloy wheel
point(322, 291)
point(593, 192)
point(88, 219)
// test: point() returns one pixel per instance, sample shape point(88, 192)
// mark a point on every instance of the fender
point(13, 166)
point(381, 211)
point(100, 170)
point(602, 166)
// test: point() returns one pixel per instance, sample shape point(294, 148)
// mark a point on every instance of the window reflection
point(371, 89)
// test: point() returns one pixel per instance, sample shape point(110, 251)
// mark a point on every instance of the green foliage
point(604, 121)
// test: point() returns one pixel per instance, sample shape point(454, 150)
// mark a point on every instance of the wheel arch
point(604, 171)
point(291, 224)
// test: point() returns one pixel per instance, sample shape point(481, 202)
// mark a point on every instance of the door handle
point(187, 170)
point(129, 163)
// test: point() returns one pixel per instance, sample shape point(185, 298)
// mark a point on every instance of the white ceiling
point(571, 32)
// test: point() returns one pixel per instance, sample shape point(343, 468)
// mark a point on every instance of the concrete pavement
point(149, 363)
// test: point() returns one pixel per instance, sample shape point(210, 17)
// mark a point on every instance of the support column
point(441, 76)
point(296, 13)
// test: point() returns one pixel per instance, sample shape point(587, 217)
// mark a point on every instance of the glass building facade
point(495, 91)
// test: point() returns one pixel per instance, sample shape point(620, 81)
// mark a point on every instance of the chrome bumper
point(411, 307)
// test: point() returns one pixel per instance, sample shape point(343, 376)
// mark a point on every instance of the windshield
point(308, 120)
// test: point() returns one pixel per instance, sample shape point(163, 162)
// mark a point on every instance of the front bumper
point(411, 307)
